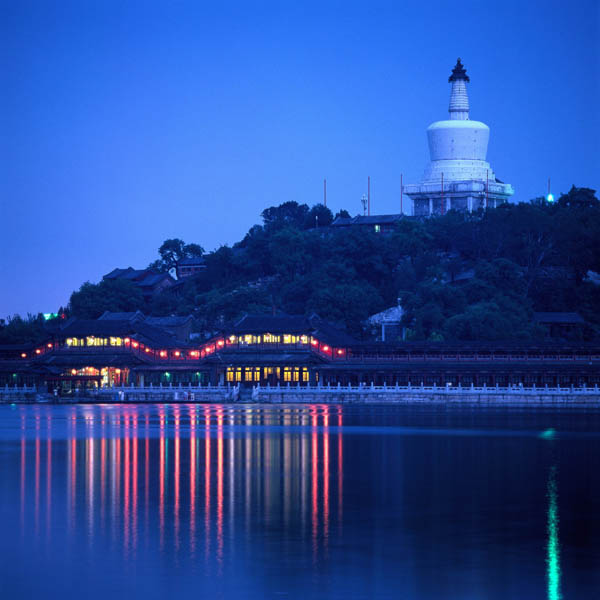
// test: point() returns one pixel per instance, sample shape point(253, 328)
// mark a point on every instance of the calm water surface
point(304, 502)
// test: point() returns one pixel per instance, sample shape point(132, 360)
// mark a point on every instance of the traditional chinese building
point(376, 223)
point(282, 350)
point(189, 266)
point(149, 281)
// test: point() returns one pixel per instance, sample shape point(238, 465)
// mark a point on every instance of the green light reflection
point(553, 549)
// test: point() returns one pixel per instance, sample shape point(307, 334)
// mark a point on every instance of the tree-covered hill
point(458, 277)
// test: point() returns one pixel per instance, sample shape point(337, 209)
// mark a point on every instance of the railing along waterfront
point(368, 394)
point(329, 388)
point(446, 389)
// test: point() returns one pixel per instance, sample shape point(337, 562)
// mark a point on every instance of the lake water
point(313, 501)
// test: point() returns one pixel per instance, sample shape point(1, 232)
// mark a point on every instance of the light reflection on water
point(125, 452)
point(252, 499)
point(553, 549)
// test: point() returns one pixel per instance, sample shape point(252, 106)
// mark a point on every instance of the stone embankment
point(363, 394)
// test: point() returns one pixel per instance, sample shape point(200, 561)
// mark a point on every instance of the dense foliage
point(458, 277)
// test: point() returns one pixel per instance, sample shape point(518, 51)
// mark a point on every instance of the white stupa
point(458, 176)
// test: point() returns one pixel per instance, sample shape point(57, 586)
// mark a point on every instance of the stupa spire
point(459, 100)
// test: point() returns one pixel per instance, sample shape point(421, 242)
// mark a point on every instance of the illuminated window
point(248, 374)
point(238, 374)
point(287, 374)
point(230, 374)
point(305, 375)
point(257, 374)
point(116, 341)
point(296, 374)
point(377, 228)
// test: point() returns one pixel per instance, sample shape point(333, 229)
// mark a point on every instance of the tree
point(342, 214)
point(318, 216)
point(520, 258)
point(286, 214)
point(174, 250)
point(92, 299)
point(579, 198)
point(16, 330)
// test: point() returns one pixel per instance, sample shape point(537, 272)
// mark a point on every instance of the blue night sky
point(126, 123)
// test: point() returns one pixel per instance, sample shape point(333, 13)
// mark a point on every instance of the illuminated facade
point(284, 350)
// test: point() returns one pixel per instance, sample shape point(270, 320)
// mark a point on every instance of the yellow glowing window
point(257, 374)
point(230, 374)
point(287, 374)
point(304, 339)
point(287, 339)
point(296, 374)
point(305, 375)
point(238, 374)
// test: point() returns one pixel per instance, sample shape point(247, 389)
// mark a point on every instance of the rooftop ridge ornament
point(459, 72)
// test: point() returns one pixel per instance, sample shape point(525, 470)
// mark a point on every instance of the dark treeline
point(458, 277)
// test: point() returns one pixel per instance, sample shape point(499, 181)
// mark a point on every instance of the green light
point(553, 549)
point(550, 198)
point(548, 434)
point(167, 374)
point(48, 316)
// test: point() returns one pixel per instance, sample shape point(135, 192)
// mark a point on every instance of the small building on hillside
point(149, 281)
point(377, 223)
point(388, 324)
point(563, 325)
point(187, 267)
